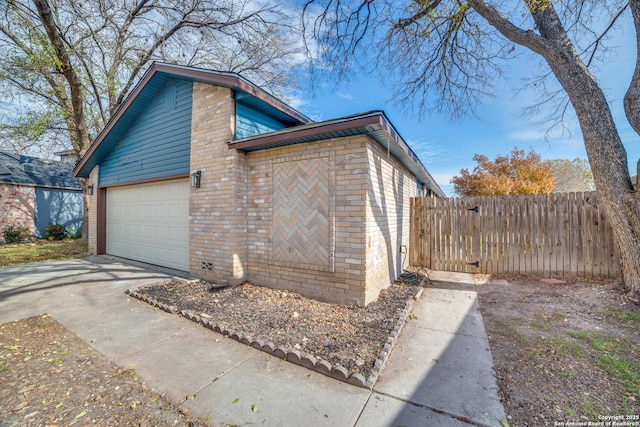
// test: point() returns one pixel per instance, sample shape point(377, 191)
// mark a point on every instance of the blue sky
point(446, 146)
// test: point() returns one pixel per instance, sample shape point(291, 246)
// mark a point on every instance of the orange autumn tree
point(511, 174)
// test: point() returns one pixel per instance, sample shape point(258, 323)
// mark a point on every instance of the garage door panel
point(150, 223)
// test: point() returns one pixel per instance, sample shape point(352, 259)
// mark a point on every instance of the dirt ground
point(49, 377)
point(564, 353)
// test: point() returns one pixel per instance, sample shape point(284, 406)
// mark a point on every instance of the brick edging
point(309, 361)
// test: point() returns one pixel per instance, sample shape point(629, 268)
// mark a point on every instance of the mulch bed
point(288, 325)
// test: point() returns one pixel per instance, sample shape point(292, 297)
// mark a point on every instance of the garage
point(150, 223)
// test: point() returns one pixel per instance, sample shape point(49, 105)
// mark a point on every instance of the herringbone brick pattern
point(301, 212)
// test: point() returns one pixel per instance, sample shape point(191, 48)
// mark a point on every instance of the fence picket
point(551, 235)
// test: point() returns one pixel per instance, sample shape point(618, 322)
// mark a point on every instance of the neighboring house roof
point(373, 123)
point(31, 171)
point(154, 80)
point(299, 127)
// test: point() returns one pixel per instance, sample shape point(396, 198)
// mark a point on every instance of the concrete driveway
point(440, 372)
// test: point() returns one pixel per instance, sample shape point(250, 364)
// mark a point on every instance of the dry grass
point(40, 250)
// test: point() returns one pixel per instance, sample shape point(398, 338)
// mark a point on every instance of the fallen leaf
point(20, 407)
point(80, 415)
point(254, 407)
point(235, 400)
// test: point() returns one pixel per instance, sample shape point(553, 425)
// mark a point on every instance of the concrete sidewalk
point(439, 373)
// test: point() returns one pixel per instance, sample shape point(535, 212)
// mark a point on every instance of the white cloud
point(444, 176)
point(430, 153)
point(527, 135)
point(294, 100)
point(346, 96)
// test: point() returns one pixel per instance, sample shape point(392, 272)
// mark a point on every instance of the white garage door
point(150, 223)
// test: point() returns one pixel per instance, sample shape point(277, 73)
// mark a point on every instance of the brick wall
point(16, 207)
point(390, 187)
point(217, 226)
point(340, 279)
point(325, 219)
point(341, 210)
point(92, 200)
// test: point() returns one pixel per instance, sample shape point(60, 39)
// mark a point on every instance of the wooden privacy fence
point(562, 234)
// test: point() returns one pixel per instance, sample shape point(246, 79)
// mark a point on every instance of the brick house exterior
point(317, 208)
point(36, 192)
point(17, 207)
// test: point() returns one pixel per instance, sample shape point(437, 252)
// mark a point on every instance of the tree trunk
point(632, 97)
point(607, 157)
point(77, 120)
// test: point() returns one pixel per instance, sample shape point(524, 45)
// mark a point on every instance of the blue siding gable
point(250, 122)
point(159, 141)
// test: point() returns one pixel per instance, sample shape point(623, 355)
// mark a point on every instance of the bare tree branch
point(596, 43)
point(632, 97)
point(445, 56)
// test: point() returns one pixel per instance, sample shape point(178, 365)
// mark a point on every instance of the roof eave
point(229, 80)
point(421, 171)
point(375, 119)
point(264, 140)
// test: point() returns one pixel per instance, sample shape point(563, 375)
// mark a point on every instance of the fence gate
point(553, 235)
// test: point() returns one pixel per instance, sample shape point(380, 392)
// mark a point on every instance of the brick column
point(217, 224)
point(92, 238)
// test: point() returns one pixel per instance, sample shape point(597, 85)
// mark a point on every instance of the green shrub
point(75, 233)
point(13, 234)
point(56, 231)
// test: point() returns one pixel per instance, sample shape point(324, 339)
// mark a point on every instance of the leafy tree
point(514, 174)
point(571, 175)
point(68, 65)
point(446, 55)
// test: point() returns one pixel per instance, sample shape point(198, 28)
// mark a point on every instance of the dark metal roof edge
point(36, 185)
point(413, 156)
point(231, 80)
point(334, 125)
point(371, 118)
point(221, 78)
